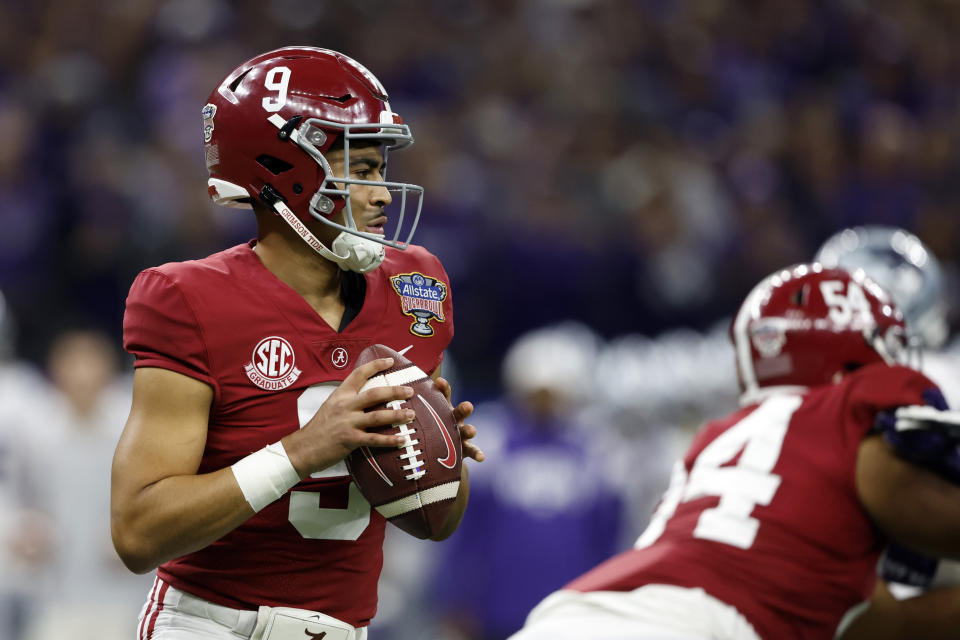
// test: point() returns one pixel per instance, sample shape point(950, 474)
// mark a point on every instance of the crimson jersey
point(272, 361)
point(763, 512)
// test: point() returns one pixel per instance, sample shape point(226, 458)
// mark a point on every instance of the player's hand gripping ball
point(413, 485)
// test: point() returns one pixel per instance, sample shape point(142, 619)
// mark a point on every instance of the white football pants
point(652, 612)
point(172, 614)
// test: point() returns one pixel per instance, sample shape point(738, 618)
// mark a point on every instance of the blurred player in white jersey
point(89, 592)
point(901, 263)
point(25, 531)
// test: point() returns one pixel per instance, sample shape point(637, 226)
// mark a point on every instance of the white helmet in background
point(900, 263)
point(559, 358)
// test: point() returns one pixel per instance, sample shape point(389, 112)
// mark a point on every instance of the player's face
point(366, 200)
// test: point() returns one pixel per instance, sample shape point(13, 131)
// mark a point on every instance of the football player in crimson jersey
point(917, 595)
point(774, 519)
point(229, 477)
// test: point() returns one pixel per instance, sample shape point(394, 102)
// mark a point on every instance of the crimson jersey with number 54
point(763, 511)
point(271, 362)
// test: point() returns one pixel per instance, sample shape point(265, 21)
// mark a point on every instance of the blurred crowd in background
point(633, 166)
point(636, 165)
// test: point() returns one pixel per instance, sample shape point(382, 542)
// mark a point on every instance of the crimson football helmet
point(268, 126)
point(804, 325)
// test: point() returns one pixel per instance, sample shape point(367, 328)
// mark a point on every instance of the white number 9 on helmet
point(277, 79)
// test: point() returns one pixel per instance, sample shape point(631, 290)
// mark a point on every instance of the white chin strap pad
point(362, 255)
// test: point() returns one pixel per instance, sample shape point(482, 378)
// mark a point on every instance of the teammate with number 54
point(229, 478)
point(775, 517)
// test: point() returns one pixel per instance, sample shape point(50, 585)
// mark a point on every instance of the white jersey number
point(277, 79)
point(758, 439)
point(306, 514)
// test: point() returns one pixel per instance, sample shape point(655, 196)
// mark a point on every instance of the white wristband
point(265, 475)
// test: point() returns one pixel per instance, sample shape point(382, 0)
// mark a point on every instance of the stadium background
point(636, 165)
point(633, 165)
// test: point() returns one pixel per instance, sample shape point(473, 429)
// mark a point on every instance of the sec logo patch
point(273, 365)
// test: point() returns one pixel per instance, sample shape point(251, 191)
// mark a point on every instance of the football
point(413, 485)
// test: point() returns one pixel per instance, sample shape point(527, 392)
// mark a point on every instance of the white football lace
point(411, 453)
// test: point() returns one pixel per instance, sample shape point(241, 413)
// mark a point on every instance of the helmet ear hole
point(276, 166)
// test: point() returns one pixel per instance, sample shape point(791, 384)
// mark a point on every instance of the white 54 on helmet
point(900, 263)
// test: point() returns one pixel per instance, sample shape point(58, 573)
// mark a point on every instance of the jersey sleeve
point(447, 326)
point(431, 265)
point(160, 329)
point(909, 410)
point(883, 388)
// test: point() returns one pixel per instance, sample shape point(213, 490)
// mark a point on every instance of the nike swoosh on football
point(376, 467)
point(451, 458)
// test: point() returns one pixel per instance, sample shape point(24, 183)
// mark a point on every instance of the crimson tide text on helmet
point(268, 126)
point(804, 325)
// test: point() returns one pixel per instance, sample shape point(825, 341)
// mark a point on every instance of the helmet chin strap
point(351, 252)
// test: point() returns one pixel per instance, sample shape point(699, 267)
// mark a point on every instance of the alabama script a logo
point(273, 365)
